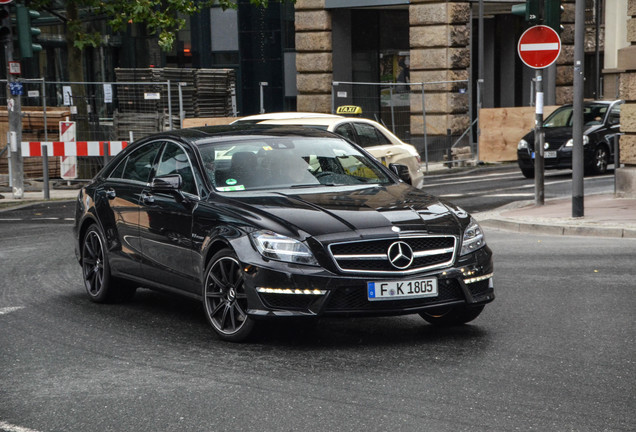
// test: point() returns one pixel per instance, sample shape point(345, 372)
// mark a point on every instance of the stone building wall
point(626, 177)
point(439, 40)
point(314, 59)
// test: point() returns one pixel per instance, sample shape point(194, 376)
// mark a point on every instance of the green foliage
point(163, 17)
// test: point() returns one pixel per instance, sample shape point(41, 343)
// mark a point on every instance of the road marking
point(493, 195)
point(473, 179)
point(13, 428)
point(7, 310)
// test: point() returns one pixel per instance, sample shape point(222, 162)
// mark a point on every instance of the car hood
point(327, 211)
point(560, 133)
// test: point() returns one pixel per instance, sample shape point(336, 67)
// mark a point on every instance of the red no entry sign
point(539, 46)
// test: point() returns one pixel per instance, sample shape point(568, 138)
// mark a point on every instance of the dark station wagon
point(601, 123)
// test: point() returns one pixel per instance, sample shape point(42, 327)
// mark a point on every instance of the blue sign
point(17, 89)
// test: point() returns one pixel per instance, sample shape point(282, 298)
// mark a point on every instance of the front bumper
point(562, 161)
point(277, 291)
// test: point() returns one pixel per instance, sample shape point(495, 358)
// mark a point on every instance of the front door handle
point(147, 198)
point(111, 194)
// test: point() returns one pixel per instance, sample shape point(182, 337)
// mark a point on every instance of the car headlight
point(473, 238)
point(523, 145)
point(278, 247)
point(570, 142)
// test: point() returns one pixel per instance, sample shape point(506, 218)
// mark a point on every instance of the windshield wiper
point(311, 185)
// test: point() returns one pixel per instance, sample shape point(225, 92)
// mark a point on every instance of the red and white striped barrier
point(72, 148)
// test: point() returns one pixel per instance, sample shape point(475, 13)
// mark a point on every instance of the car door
point(118, 208)
point(166, 223)
point(376, 143)
point(613, 125)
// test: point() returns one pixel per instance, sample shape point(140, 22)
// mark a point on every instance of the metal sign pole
point(577, 121)
point(539, 183)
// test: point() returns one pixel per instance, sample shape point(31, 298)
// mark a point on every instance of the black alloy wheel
point(452, 316)
point(601, 160)
point(225, 299)
point(100, 285)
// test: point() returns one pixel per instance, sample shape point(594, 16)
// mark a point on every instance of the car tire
point(452, 316)
point(100, 286)
point(600, 161)
point(224, 297)
point(527, 173)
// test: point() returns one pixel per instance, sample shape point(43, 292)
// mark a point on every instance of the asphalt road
point(486, 188)
point(554, 352)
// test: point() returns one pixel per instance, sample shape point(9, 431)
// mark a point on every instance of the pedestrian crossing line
point(6, 310)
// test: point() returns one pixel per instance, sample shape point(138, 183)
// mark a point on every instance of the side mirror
point(402, 171)
point(167, 183)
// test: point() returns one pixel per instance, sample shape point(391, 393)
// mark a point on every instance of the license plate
point(550, 154)
point(395, 290)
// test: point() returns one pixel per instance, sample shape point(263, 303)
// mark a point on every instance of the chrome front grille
point(373, 256)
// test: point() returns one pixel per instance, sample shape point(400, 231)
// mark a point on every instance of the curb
point(559, 229)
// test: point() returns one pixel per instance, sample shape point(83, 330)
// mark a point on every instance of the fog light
point(478, 278)
point(294, 291)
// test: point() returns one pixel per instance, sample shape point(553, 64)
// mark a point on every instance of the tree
point(161, 17)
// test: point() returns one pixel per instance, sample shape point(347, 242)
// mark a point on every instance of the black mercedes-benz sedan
point(601, 123)
point(271, 222)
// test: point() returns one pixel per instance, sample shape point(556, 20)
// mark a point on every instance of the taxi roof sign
point(349, 109)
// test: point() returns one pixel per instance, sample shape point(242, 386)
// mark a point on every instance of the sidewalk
point(604, 216)
point(31, 196)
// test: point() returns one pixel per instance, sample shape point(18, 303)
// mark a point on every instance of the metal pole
point(14, 106)
point(480, 68)
point(392, 110)
point(597, 55)
point(480, 42)
point(169, 105)
point(424, 128)
point(45, 161)
point(577, 125)
point(473, 144)
point(480, 83)
point(617, 158)
point(333, 97)
point(261, 85)
point(45, 172)
point(539, 184)
point(181, 112)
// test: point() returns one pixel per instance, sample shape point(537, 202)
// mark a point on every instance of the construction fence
point(140, 102)
point(432, 116)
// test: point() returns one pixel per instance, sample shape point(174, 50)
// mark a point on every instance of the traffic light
point(531, 10)
point(25, 32)
point(552, 15)
point(5, 23)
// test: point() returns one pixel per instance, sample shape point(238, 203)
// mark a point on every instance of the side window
point(346, 131)
point(175, 161)
point(369, 136)
point(615, 115)
point(117, 172)
point(138, 165)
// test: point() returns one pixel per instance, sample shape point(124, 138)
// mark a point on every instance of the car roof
point(205, 134)
point(284, 115)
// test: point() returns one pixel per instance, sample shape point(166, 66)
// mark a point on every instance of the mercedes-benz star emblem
point(546, 145)
point(400, 255)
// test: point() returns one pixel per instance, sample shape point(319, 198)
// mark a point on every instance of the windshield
point(287, 162)
point(593, 114)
